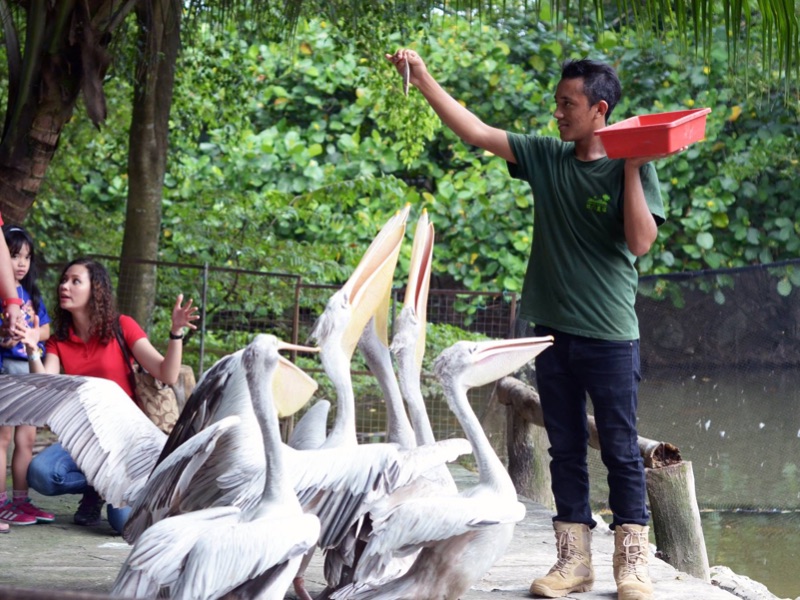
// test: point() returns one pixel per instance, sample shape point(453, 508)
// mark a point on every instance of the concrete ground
point(62, 560)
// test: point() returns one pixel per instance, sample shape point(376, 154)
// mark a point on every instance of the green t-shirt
point(581, 277)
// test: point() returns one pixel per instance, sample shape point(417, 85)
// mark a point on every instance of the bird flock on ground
point(222, 507)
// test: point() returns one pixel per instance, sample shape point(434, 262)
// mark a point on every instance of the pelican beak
point(292, 388)
point(296, 348)
point(369, 287)
point(419, 279)
point(495, 359)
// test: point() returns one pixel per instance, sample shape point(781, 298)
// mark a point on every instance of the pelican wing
point(159, 556)
point(408, 527)
point(186, 480)
point(110, 439)
point(335, 484)
point(420, 460)
point(221, 391)
point(339, 485)
point(234, 555)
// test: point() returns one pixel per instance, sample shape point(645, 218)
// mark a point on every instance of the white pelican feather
point(459, 537)
point(253, 552)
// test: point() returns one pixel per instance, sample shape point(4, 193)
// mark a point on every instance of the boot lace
point(567, 550)
point(635, 547)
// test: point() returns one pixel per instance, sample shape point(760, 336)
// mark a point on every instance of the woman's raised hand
point(183, 315)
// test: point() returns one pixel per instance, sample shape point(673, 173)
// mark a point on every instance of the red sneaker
point(11, 514)
point(29, 508)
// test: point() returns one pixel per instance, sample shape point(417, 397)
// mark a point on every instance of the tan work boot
point(631, 548)
point(573, 570)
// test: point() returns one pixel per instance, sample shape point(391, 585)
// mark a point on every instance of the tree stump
point(676, 519)
point(528, 460)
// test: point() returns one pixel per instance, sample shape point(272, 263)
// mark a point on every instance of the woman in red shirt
point(84, 342)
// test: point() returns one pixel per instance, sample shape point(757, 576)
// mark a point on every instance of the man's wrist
point(176, 336)
point(34, 355)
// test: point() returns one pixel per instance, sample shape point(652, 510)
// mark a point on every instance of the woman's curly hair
point(102, 307)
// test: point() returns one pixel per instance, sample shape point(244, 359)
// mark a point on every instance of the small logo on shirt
point(598, 203)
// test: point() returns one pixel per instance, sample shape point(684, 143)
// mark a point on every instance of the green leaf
point(784, 287)
point(705, 240)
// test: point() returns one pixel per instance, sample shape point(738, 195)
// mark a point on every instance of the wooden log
point(676, 519)
point(528, 459)
point(525, 402)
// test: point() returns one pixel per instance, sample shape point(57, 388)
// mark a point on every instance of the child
point(19, 510)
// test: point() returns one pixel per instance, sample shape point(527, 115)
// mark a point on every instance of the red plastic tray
point(654, 135)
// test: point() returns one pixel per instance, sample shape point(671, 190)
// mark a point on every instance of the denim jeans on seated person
point(53, 472)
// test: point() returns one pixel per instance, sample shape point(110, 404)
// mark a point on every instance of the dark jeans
point(53, 472)
point(609, 372)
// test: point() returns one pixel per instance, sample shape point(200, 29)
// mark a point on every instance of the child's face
point(21, 261)
point(75, 288)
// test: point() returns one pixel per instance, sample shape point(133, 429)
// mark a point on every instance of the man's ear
point(602, 109)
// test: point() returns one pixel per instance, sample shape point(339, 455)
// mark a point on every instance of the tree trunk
point(21, 177)
point(31, 135)
point(159, 35)
point(676, 519)
point(64, 54)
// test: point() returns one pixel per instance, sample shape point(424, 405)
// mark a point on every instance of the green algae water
point(763, 546)
point(741, 432)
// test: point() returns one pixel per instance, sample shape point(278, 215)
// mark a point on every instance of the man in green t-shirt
point(592, 217)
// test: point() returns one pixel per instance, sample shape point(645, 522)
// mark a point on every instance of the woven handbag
point(156, 399)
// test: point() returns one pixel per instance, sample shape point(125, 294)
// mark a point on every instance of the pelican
point(117, 447)
point(408, 346)
point(337, 331)
point(183, 479)
point(460, 536)
point(346, 314)
point(250, 553)
point(373, 345)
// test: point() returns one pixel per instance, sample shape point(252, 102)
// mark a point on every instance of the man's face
point(576, 118)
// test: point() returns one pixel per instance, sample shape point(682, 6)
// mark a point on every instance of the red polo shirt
point(96, 359)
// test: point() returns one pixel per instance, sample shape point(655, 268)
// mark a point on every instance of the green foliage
point(290, 158)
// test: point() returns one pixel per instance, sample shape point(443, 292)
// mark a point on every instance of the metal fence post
point(203, 319)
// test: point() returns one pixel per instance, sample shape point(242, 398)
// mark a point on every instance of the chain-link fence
point(720, 356)
point(236, 304)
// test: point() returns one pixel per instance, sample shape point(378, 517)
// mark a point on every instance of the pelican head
point(473, 364)
point(366, 293)
point(291, 388)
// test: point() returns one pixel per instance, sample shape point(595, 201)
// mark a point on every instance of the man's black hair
point(600, 81)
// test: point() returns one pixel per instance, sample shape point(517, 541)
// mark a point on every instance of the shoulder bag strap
point(126, 353)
